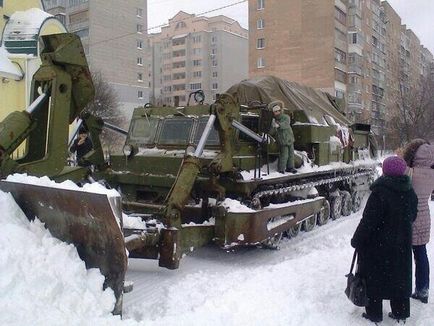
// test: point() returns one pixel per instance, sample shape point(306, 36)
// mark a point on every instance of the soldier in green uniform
point(285, 139)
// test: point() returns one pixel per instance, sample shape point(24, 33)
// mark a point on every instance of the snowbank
point(7, 68)
point(43, 281)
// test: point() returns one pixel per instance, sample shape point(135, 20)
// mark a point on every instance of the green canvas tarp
point(312, 105)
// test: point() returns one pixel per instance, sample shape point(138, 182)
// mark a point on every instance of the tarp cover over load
point(313, 103)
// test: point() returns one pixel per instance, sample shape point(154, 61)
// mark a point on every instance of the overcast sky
point(417, 14)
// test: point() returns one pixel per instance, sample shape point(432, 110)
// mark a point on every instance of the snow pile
point(235, 206)
point(25, 25)
point(7, 68)
point(95, 188)
point(43, 281)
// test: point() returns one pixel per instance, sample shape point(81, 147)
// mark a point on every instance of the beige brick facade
point(349, 48)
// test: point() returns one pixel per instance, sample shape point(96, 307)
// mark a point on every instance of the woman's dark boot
point(391, 315)
point(420, 296)
point(370, 318)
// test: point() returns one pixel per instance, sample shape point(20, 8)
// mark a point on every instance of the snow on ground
point(43, 282)
point(301, 284)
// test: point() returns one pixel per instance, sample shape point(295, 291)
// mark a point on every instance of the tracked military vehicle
point(201, 173)
point(190, 175)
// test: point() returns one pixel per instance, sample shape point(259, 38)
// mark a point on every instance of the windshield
point(143, 130)
point(213, 138)
point(176, 131)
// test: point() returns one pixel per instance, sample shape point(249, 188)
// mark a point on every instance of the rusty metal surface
point(84, 219)
point(255, 226)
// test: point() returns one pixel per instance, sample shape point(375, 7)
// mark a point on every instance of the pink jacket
point(423, 184)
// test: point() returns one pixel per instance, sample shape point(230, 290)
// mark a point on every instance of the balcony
point(341, 66)
point(355, 69)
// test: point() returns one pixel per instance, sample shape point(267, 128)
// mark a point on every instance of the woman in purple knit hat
point(419, 156)
point(383, 242)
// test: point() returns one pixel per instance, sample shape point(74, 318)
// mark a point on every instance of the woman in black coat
point(383, 241)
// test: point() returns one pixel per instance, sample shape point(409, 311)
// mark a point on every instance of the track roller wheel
point(347, 203)
point(356, 198)
point(255, 203)
point(272, 242)
point(335, 206)
point(324, 214)
point(309, 223)
point(293, 231)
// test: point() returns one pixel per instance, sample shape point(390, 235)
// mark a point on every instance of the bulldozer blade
point(87, 220)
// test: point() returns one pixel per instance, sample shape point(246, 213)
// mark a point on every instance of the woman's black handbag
point(356, 287)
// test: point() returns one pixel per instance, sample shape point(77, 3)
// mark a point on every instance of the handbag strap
point(354, 261)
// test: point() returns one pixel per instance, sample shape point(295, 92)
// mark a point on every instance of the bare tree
point(413, 113)
point(105, 105)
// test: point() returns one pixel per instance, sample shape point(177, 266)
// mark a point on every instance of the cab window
point(213, 138)
point(143, 131)
point(176, 131)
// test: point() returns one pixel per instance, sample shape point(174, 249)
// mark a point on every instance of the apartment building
point(57, 8)
point(352, 49)
point(115, 40)
point(408, 61)
point(197, 53)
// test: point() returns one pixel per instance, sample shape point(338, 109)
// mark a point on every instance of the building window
point(139, 28)
point(340, 56)
point(214, 63)
point(197, 63)
point(260, 43)
point(260, 24)
point(180, 75)
point(355, 80)
point(73, 3)
point(140, 44)
point(195, 86)
point(140, 77)
point(179, 53)
point(214, 39)
point(140, 95)
point(197, 74)
point(197, 39)
point(197, 51)
point(340, 76)
point(82, 33)
point(215, 86)
point(180, 41)
point(140, 61)
point(139, 12)
point(180, 25)
point(261, 4)
point(214, 74)
point(261, 62)
point(340, 94)
point(179, 87)
point(340, 35)
point(179, 64)
point(61, 17)
point(355, 98)
point(340, 16)
point(355, 38)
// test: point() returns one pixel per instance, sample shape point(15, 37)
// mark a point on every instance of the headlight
point(127, 150)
